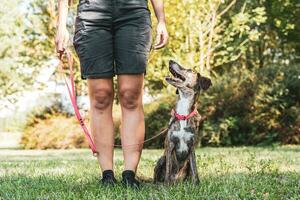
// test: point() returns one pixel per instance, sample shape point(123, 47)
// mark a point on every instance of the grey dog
point(179, 160)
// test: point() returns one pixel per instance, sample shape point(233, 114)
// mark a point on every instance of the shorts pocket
point(144, 37)
point(79, 36)
point(82, 5)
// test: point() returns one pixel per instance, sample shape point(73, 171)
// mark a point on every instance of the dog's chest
point(182, 133)
point(182, 107)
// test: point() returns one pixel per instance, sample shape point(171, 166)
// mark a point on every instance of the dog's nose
point(182, 155)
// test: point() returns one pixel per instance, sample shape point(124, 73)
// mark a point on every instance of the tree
point(207, 35)
point(13, 77)
point(27, 32)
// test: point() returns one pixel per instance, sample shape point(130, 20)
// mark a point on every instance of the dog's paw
point(196, 181)
point(168, 181)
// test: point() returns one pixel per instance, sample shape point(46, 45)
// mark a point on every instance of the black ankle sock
point(108, 173)
point(108, 177)
point(128, 178)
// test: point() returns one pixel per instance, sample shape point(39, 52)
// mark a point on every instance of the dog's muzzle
point(181, 156)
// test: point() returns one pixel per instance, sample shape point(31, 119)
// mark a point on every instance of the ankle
point(108, 172)
point(128, 173)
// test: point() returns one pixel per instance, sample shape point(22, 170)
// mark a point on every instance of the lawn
point(225, 173)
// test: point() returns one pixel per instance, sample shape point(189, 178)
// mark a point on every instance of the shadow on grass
point(221, 186)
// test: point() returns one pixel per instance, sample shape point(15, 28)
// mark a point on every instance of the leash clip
point(95, 154)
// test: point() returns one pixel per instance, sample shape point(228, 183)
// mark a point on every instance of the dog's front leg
point(193, 165)
point(169, 162)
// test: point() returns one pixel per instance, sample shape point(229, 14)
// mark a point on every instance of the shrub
point(50, 129)
point(244, 107)
point(249, 107)
point(157, 116)
point(55, 131)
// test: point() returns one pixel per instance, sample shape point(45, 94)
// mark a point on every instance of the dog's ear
point(203, 82)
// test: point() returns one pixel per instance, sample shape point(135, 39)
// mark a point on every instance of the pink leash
point(72, 94)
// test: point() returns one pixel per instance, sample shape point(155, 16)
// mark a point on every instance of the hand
point(61, 40)
point(162, 35)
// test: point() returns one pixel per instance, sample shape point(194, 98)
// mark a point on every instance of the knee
point(130, 99)
point(102, 99)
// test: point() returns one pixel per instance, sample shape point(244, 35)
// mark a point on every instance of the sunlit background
point(250, 49)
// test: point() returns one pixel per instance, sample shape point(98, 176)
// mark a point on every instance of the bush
point(52, 130)
point(249, 107)
point(244, 107)
point(157, 116)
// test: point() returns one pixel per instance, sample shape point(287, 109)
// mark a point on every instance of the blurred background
point(249, 48)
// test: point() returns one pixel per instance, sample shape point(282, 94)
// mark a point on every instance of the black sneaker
point(128, 179)
point(108, 178)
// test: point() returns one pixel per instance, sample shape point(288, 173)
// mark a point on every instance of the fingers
point(60, 54)
point(60, 50)
point(61, 42)
point(161, 40)
point(161, 37)
point(165, 38)
point(158, 38)
point(58, 44)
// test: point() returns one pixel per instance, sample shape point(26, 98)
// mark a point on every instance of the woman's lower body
point(113, 37)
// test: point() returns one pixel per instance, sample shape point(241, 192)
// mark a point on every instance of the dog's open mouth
point(176, 76)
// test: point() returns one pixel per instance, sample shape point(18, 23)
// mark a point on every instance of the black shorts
point(112, 37)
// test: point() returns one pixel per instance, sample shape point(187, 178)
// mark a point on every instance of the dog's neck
point(184, 104)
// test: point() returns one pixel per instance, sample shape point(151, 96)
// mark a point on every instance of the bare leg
point(101, 101)
point(132, 125)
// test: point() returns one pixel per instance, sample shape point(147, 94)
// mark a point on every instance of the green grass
point(225, 173)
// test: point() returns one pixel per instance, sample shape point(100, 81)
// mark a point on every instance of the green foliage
point(253, 107)
point(190, 33)
point(157, 116)
point(27, 32)
point(51, 130)
point(13, 77)
point(48, 128)
point(253, 56)
point(244, 108)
